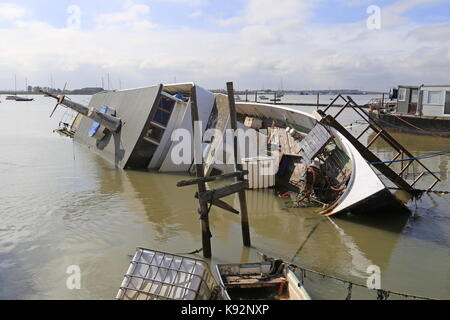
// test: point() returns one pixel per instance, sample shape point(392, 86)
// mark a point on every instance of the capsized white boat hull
point(364, 184)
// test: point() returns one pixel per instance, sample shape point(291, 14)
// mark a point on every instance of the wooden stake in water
point(242, 198)
point(200, 169)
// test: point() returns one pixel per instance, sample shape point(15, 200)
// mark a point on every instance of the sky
point(257, 44)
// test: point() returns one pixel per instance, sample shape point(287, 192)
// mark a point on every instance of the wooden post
point(275, 97)
point(318, 100)
point(256, 96)
point(246, 95)
point(206, 232)
point(242, 197)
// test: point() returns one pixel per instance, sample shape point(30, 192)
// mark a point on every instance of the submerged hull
point(364, 184)
point(382, 203)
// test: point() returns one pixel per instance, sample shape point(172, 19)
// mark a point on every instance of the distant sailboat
point(280, 93)
point(24, 99)
point(15, 97)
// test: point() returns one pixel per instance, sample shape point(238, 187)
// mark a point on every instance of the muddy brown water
point(63, 206)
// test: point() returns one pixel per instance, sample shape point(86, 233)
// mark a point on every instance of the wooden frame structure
point(209, 198)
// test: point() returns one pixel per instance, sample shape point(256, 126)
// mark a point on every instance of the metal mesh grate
point(155, 275)
point(314, 142)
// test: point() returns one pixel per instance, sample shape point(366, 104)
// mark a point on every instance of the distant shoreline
point(242, 93)
point(5, 93)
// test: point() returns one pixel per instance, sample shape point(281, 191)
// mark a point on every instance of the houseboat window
point(434, 97)
point(402, 94)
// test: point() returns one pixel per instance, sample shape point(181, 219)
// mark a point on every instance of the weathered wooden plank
point(238, 174)
point(215, 194)
point(242, 198)
point(252, 282)
point(222, 205)
point(206, 232)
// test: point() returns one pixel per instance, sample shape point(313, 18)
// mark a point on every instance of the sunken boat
point(308, 158)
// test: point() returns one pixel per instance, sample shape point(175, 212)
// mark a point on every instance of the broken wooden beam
point(237, 174)
point(215, 194)
point(222, 205)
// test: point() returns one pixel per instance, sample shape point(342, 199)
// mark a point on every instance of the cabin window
point(402, 94)
point(434, 97)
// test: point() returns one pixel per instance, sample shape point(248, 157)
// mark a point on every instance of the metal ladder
point(385, 169)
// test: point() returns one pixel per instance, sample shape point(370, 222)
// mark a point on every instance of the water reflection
point(419, 145)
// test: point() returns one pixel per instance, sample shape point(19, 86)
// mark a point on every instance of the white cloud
point(394, 14)
point(196, 14)
point(440, 33)
point(10, 11)
point(270, 22)
point(132, 17)
point(194, 3)
point(265, 48)
point(263, 12)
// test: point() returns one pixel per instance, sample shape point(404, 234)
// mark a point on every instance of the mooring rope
point(307, 239)
point(431, 155)
point(422, 132)
point(381, 294)
point(441, 192)
point(410, 124)
point(192, 252)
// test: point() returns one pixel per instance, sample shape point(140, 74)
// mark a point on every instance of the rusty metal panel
point(133, 107)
